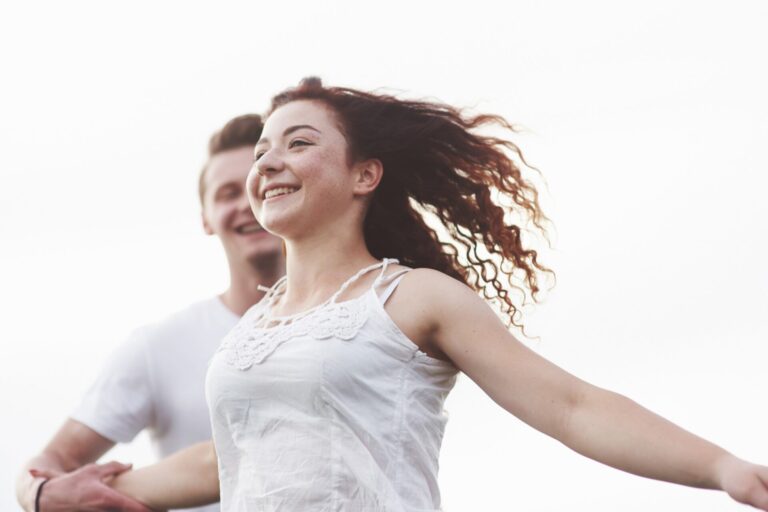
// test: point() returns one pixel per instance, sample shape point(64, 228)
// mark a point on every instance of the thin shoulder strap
point(394, 279)
point(357, 276)
point(272, 290)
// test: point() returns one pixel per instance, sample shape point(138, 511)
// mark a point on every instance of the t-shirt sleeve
point(118, 405)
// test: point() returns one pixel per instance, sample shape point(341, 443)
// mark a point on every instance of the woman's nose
point(269, 162)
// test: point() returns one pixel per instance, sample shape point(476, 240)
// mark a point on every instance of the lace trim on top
point(259, 333)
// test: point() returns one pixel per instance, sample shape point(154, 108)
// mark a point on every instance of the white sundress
point(333, 409)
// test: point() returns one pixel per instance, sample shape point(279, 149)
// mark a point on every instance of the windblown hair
point(241, 131)
point(435, 161)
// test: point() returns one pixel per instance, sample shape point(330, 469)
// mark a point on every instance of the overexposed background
point(649, 122)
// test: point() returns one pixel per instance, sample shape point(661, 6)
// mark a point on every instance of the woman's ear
point(368, 176)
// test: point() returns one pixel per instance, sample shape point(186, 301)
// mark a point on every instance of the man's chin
point(266, 258)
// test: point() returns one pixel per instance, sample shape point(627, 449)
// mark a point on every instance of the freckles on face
point(303, 138)
point(302, 148)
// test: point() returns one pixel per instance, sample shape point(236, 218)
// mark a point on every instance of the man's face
point(226, 212)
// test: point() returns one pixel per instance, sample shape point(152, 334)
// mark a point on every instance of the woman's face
point(301, 179)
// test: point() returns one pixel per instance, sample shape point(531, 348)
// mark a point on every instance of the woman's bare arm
point(597, 423)
point(188, 478)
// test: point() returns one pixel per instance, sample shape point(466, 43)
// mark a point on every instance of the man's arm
point(116, 407)
point(75, 482)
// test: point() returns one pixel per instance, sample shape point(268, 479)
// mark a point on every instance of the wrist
point(723, 467)
point(26, 497)
point(36, 506)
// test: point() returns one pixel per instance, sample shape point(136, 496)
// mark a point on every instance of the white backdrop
point(648, 121)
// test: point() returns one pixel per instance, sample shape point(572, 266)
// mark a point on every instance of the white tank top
point(332, 409)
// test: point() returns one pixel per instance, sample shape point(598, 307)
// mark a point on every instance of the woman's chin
point(278, 225)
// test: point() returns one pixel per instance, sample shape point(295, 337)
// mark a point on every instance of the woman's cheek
point(254, 202)
point(252, 185)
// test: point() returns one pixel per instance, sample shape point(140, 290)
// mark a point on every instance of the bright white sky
point(648, 121)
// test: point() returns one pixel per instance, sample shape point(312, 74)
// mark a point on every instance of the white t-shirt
point(156, 380)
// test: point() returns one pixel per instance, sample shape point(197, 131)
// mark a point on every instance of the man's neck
point(245, 280)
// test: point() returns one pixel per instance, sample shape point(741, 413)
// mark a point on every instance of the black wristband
point(37, 495)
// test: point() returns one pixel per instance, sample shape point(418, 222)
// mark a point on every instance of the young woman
point(329, 393)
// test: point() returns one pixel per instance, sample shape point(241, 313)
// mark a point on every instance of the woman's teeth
point(280, 191)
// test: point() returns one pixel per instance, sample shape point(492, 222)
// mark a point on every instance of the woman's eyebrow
point(290, 130)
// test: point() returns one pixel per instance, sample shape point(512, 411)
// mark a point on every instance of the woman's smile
point(276, 192)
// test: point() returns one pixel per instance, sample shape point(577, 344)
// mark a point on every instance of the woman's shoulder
point(429, 276)
point(432, 286)
point(427, 302)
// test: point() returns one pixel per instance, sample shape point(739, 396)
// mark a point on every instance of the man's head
point(225, 209)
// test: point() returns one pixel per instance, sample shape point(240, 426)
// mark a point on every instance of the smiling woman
point(329, 393)
point(310, 151)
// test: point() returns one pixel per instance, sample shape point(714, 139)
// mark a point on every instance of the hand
point(85, 489)
point(745, 482)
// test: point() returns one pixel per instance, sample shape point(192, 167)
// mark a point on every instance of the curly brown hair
point(436, 162)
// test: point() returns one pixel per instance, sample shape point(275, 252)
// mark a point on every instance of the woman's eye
point(258, 155)
point(298, 142)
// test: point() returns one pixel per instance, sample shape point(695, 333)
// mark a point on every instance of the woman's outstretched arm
point(188, 478)
point(597, 423)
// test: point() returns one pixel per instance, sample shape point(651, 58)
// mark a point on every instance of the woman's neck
point(316, 267)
